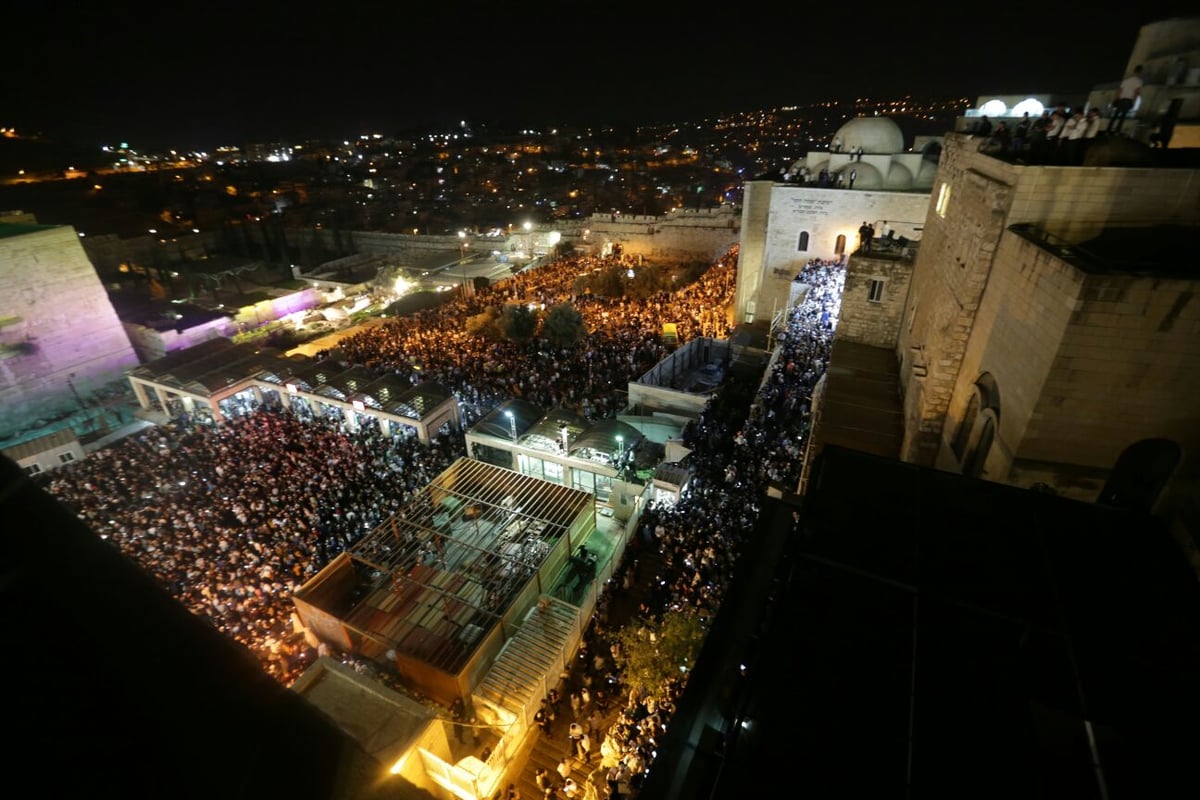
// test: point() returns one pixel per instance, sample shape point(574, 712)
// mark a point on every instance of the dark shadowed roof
point(1143, 251)
point(919, 634)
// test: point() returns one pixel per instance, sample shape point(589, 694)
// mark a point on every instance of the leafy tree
point(518, 323)
point(564, 326)
point(609, 282)
point(485, 324)
point(651, 653)
point(647, 281)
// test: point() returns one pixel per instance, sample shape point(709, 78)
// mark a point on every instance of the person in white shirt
point(1127, 94)
point(1071, 139)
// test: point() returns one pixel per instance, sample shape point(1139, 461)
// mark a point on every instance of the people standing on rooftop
point(1127, 96)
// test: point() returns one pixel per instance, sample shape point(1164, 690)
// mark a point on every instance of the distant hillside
point(41, 155)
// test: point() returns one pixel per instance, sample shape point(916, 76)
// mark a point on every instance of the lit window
point(943, 200)
point(875, 290)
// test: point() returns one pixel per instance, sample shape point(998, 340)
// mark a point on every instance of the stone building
point(1046, 333)
point(60, 339)
point(813, 210)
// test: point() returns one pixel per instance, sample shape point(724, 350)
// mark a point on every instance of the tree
point(485, 324)
point(652, 653)
point(518, 323)
point(564, 326)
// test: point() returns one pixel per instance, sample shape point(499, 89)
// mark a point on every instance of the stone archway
point(1140, 474)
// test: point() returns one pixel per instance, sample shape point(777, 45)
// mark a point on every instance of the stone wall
point(948, 279)
point(151, 344)
point(1020, 324)
point(680, 236)
point(1128, 369)
point(1085, 365)
point(874, 322)
point(58, 326)
point(975, 199)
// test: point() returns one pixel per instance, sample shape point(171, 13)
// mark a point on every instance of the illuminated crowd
point(624, 340)
point(233, 519)
point(739, 446)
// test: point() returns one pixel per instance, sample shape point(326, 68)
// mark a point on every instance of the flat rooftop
point(1157, 251)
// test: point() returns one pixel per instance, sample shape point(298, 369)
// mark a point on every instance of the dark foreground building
point(916, 634)
point(114, 689)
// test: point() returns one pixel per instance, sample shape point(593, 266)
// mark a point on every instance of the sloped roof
point(208, 367)
point(602, 435)
point(547, 433)
point(496, 423)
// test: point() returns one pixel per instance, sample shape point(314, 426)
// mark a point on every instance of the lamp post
point(512, 424)
point(528, 226)
point(463, 244)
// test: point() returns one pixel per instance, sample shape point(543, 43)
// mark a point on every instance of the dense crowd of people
point(744, 441)
point(624, 340)
point(233, 519)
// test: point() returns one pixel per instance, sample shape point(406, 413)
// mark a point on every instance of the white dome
point(898, 177)
point(817, 165)
point(866, 176)
point(875, 135)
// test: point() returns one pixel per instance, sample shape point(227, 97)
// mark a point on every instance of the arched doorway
point(1140, 474)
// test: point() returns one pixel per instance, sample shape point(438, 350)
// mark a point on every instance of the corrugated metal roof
point(41, 444)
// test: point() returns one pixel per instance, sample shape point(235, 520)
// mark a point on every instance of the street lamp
point(512, 424)
point(528, 226)
point(463, 244)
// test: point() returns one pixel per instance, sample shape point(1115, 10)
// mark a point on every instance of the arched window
point(1140, 474)
point(965, 426)
point(973, 466)
point(803, 245)
point(975, 434)
point(839, 247)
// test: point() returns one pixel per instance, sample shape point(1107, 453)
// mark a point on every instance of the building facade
point(814, 210)
point(1048, 334)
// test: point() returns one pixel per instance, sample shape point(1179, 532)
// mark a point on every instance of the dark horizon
point(162, 77)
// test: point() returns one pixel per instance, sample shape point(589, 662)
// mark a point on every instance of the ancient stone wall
point(56, 325)
point(874, 320)
point(1084, 365)
point(1020, 324)
point(961, 231)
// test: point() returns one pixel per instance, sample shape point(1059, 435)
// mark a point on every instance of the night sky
point(200, 75)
